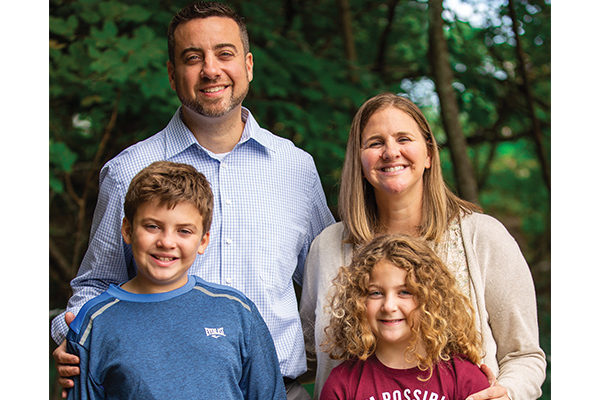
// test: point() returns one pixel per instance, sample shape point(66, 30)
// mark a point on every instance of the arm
point(510, 303)
point(105, 259)
point(333, 389)
point(106, 248)
point(308, 301)
point(319, 217)
point(67, 364)
point(261, 376)
point(85, 387)
point(494, 391)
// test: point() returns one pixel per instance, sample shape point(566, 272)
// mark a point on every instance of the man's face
point(211, 74)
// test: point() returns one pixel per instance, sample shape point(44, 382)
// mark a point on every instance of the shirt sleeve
point(470, 379)
point(107, 257)
point(85, 386)
point(510, 302)
point(320, 217)
point(333, 389)
point(261, 376)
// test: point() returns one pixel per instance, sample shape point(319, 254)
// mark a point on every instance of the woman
point(392, 183)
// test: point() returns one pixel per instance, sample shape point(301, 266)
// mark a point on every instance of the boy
point(164, 333)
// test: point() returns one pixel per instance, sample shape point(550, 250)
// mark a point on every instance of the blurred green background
point(315, 62)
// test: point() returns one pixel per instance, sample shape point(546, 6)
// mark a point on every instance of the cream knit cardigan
point(501, 290)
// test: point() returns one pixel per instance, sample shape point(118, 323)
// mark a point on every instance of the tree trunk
point(439, 57)
point(348, 35)
point(383, 39)
point(536, 131)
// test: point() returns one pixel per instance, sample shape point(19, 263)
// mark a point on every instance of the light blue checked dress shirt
point(269, 206)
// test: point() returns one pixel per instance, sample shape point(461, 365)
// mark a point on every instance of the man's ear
point(250, 66)
point(171, 74)
point(126, 231)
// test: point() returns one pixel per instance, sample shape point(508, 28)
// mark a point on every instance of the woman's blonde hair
point(357, 205)
point(443, 322)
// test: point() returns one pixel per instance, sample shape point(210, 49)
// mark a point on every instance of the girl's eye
point(405, 293)
point(374, 293)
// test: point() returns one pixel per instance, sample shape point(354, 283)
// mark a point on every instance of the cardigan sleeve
point(325, 257)
point(510, 302)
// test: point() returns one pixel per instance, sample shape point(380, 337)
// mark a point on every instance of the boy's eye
point(185, 231)
point(151, 227)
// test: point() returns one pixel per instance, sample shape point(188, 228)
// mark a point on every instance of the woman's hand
point(495, 391)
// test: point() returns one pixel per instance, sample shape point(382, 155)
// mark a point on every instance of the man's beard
point(213, 111)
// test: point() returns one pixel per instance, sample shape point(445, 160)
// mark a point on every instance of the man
point(269, 202)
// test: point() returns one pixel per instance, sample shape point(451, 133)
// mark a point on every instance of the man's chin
point(211, 111)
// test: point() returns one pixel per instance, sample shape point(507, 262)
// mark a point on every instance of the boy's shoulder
point(90, 309)
point(229, 295)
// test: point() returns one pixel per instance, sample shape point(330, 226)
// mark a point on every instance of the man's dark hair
point(205, 9)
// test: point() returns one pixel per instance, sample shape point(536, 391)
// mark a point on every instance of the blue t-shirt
point(201, 341)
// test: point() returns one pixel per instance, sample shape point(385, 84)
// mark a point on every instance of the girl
point(402, 326)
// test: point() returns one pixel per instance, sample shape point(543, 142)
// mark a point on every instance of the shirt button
point(228, 241)
point(228, 202)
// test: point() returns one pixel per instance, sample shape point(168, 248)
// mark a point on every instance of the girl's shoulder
point(468, 376)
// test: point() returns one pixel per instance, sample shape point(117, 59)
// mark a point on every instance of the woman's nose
point(390, 151)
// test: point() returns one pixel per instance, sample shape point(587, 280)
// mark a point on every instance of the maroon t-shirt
point(371, 380)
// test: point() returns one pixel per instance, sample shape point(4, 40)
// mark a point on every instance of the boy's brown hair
point(171, 184)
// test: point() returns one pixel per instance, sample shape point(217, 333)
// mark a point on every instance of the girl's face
point(389, 304)
point(394, 153)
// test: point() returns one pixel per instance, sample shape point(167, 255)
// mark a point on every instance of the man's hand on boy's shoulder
point(67, 364)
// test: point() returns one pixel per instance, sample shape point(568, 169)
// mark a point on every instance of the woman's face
point(394, 153)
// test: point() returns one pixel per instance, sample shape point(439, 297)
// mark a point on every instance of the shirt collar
point(179, 137)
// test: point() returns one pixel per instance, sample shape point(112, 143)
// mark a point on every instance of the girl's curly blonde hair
point(443, 322)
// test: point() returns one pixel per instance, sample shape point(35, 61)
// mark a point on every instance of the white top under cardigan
point(500, 287)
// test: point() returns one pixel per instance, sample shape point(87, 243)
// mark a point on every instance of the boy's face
point(164, 243)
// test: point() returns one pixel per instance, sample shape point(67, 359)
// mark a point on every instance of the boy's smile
point(164, 242)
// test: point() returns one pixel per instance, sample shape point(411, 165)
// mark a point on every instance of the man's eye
point(192, 58)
